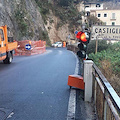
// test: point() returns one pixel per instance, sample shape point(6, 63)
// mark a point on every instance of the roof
point(106, 10)
point(111, 6)
point(93, 3)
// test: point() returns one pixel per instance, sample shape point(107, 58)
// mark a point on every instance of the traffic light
point(82, 50)
point(84, 38)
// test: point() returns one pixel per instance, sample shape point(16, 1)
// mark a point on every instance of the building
point(107, 12)
point(87, 7)
point(92, 6)
point(109, 17)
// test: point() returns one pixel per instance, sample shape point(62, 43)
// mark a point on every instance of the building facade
point(93, 6)
point(109, 17)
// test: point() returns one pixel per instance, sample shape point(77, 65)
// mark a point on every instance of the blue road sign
point(28, 46)
point(76, 32)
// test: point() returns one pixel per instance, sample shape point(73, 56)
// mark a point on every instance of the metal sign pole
point(96, 48)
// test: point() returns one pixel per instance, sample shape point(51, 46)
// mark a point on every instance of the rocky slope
point(25, 21)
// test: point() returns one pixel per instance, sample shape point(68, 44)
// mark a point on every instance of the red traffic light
point(81, 36)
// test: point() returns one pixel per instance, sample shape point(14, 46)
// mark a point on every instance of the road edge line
point(72, 98)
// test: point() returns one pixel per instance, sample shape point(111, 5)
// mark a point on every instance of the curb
point(72, 98)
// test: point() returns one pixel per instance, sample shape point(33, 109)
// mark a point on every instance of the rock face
point(60, 34)
point(25, 22)
point(23, 19)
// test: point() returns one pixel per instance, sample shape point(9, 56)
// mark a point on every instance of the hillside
point(51, 20)
point(34, 19)
point(23, 19)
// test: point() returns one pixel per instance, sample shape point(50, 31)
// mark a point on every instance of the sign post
point(96, 48)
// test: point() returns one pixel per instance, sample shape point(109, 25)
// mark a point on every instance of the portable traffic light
point(81, 36)
point(82, 50)
point(84, 38)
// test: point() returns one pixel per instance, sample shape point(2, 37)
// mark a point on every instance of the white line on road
point(60, 52)
point(72, 98)
point(10, 115)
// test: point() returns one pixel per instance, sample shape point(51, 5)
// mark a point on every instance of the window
point(1, 34)
point(99, 15)
point(86, 6)
point(113, 23)
point(105, 15)
point(97, 5)
point(113, 15)
point(88, 13)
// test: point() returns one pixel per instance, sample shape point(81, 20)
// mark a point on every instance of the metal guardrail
point(106, 100)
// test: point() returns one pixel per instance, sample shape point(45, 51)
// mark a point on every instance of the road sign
point(105, 33)
point(28, 46)
point(69, 36)
point(76, 32)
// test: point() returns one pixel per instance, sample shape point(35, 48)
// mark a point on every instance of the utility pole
point(83, 24)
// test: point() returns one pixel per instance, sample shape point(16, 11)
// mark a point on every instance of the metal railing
point(106, 100)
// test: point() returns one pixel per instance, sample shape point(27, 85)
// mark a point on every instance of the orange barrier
point(37, 47)
point(76, 81)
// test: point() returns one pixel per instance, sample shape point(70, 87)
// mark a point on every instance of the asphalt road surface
point(35, 87)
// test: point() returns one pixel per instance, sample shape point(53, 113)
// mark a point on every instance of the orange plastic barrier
point(37, 47)
point(76, 81)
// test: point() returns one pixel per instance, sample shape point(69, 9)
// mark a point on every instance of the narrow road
point(35, 87)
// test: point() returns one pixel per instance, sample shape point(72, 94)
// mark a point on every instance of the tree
point(64, 2)
point(92, 20)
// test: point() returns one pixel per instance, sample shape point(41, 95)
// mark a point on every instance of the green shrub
point(102, 45)
point(44, 7)
point(64, 2)
point(111, 54)
point(45, 37)
point(69, 15)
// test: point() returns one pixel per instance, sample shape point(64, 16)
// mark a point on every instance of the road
point(35, 87)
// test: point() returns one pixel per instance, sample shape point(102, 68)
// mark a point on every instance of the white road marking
point(11, 114)
point(72, 98)
point(60, 52)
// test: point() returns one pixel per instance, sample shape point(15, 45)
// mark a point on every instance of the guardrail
point(106, 100)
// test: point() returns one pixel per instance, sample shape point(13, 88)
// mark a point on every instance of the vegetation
point(23, 21)
point(102, 45)
point(108, 60)
point(44, 7)
point(45, 37)
point(92, 20)
point(22, 25)
point(64, 2)
point(67, 12)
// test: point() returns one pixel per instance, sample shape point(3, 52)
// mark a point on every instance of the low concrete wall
point(73, 48)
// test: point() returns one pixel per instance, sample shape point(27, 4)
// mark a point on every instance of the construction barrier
point(36, 47)
point(64, 44)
